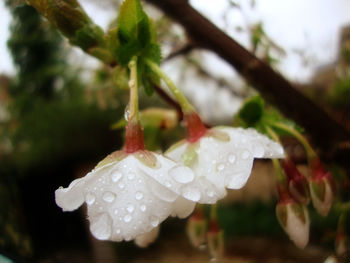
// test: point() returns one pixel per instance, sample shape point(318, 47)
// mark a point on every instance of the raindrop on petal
point(138, 195)
point(127, 218)
point(232, 158)
point(116, 176)
point(121, 185)
point(182, 174)
point(220, 167)
point(154, 221)
point(131, 176)
point(108, 197)
point(143, 208)
point(259, 151)
point(191, 193)
point(130, 208)
point(90, 198)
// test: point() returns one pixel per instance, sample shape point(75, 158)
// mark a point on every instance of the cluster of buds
point(294, 194)
point(201, 232)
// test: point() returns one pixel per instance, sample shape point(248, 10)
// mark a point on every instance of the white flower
point(223, 158)
point(128, 195)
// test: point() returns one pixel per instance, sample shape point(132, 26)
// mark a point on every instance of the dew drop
point(182, 174)
point(232, 158)
point(116, 211)
point(127, 112)
point(259, 151)
point(130, 208)
point(220, 167)
point(143, 208)
point(127, 218)
point(245, 154)
point(118, 231)
point(154, 221)
point(108, 197)
point(167, 184)
point(138, 195)
point(116, 176)
point(90, 198)
point(191, 193)
point(121, 185)
point(131, 176)
point(210, 193)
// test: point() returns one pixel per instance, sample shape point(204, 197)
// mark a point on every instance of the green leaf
point(133, 31)
point(252, 111)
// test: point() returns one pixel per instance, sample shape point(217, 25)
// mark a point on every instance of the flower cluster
point(132, 191)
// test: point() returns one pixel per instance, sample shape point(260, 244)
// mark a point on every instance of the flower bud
point(197, 228)
point(215, 240)
point(321, 188)
point(294, 219)
point(298, 185)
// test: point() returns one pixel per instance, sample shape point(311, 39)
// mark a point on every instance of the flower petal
point(146, 239)
point(72, 197)
point(182, 207)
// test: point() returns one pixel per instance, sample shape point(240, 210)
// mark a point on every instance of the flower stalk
point(134, 132)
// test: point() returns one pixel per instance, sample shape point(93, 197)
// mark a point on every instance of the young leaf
point(252, 110)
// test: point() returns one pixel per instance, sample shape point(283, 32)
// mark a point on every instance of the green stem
point(134, 97)
point(213, 212)
point(184, 103)
point(281, 177)
point(311, 154)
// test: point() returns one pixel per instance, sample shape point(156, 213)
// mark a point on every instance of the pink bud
point(297, 183)
point(215, 240)
point(197, 228)
point(321, 188)
point(294, 218)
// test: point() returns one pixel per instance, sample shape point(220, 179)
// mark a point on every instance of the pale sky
point(309, 25)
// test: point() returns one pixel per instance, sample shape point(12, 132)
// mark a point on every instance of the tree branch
point(325, 131)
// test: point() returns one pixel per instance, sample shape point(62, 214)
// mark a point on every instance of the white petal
point(226, 163)
point(182, 207)
point(146, 239)
point(72, 197)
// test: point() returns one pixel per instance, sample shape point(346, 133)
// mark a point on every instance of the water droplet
point(90, 198)
point(121, 185)
point(116, 176)
point(167, 184)
point(127, 218)
point(143, 208)
point(118, 231)
point(108, 197)
point(130, 208)
point(131, 176)
point(220, 167)
point(127, 112)
point(182, 174)
point(232, 158)
point(116, 211)
point(191, 193)
point(138, 195)
point(101, 226)
point(213, 161)
point(210, 193)
point(154, 221)
point(259, 151)
point(245, 154)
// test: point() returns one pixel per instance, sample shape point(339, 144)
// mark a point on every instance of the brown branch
point(181, 51)
point(325, 131)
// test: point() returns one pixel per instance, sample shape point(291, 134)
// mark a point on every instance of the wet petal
point(146, 239)
point(183, 207)
point(72, 197)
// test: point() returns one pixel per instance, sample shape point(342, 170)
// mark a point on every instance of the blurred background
point(58, 106)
